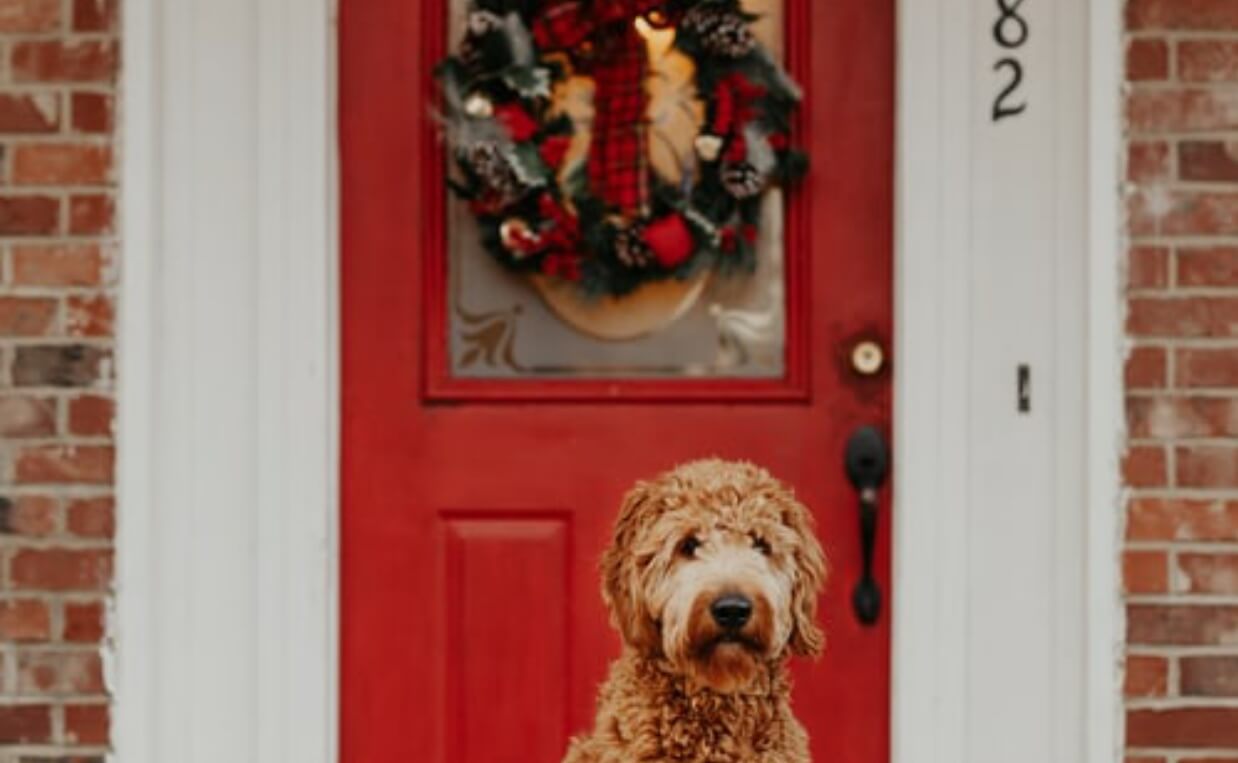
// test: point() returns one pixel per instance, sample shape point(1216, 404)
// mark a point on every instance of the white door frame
point(225, 627)
point(946, 85)
point(224, 635)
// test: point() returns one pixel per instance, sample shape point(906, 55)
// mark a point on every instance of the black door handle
point(867, 461)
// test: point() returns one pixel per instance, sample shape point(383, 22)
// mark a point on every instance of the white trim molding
point(225, 625)
point(1007, 629)
point(1106, 422)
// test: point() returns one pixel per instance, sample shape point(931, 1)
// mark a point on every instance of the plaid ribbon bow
point(601, 38)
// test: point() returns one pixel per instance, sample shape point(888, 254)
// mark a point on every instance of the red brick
point(1183, 317)
point(1144, 466)
point(1207, 161)
point(85, 464)
point(1181, 110)
point(92, 517)
point(1147, 60)
point(1148, 161)
point(61, 61)
point(1207, 466)
point(1146, 676)
point(1154, 519)
point(1145, 759)
point(25, 620)
point(29, 15)
point(27, 316)
point(28, 215)
point(60, 569)
point(58, 265)
point(86, 724)
point(59, 673)
point(83, 622)
point(1194, 727)
point(89, 315)
point(1145, 572)
point(29, 113)
point(1207, 573)
point(61, 164)
point(95, 15)
point(1208, 60)
point(1204, 15)
point(1198, 367)
point(1208, 266)
point(26, 416)
point(93, 112)
point(1209, 676)
point(1149, 267)
point(91, 214)
point(1158, 212)
point(91, 415)
point(1179, 417)
point(1181, 625)
point(25, 724)
point(1146, 368)
point(29, 515)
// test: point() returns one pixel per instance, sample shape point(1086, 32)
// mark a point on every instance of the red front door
point(482, 471)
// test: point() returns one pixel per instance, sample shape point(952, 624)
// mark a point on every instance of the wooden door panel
point(506, 607)
point(474, 515)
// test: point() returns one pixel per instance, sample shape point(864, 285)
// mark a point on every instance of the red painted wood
point(508, 582)
point(441, 498)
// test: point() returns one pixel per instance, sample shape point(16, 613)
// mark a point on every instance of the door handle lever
point(867, 461)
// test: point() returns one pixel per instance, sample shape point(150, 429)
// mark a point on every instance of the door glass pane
point(505, 325)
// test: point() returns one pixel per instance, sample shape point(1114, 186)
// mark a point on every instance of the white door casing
point(1006, 524)
point(1006, 634)
point(225, 627)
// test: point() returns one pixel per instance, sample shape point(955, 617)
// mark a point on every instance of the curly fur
point(683, 690)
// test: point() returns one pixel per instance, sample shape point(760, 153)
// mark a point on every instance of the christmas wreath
point(610, 223)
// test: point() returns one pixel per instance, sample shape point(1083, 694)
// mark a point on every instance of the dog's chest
point(713, 729)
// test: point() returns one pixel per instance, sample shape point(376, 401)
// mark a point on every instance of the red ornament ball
point(671, 240)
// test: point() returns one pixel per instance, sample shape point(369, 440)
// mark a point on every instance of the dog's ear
point(619, 573)
point(807, 637)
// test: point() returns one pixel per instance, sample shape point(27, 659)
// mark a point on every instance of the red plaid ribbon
point(618, 156)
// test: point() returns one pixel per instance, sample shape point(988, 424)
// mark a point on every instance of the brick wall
point(1181, 559)
point(58, 62)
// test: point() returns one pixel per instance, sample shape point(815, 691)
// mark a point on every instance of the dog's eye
point(762, 545)
point(689, 545)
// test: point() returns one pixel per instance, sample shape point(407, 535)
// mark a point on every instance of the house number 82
point(1010, 31)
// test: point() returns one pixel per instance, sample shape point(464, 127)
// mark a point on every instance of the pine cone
point(742, 180)
point(470, 54)
point(721, 32)
point(631, 249)
point(487, 161)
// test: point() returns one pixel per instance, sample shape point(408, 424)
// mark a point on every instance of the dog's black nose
point(731, 611)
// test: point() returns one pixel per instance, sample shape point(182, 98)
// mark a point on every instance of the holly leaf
point(528, 81)
point(792, 166)
point(528, 164)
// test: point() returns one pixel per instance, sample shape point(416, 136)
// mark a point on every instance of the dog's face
point(715, 565)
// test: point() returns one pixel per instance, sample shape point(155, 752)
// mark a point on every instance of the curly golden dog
point(712, 579)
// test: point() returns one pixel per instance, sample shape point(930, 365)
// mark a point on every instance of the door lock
point(867, 358)
point(867, 461)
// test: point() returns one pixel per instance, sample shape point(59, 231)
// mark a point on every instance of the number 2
point(1002, 108)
